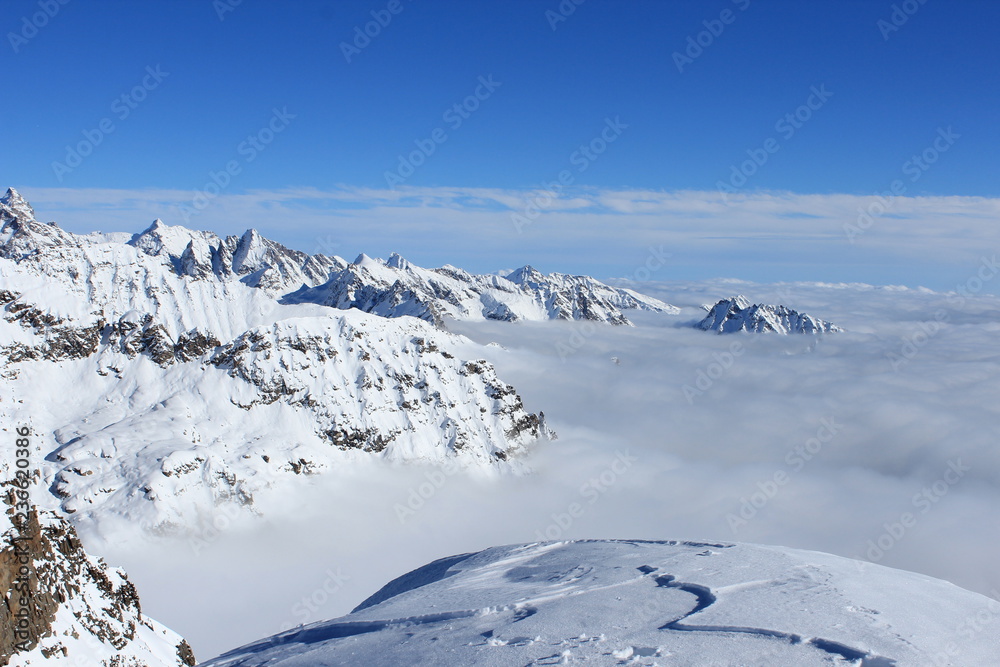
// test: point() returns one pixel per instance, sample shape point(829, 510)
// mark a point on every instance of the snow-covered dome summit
point(635, 602)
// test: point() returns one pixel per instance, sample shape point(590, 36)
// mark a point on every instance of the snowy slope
point(160, 434)
point(76, 611)
point(299, 397)
point(645, 603)
point(738, 314)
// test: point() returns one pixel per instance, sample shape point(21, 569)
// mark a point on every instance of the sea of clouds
point(878, 443)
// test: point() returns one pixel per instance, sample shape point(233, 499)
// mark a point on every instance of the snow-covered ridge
point(630, 602)
point(396, 287)
point(738, 314)
point(75, 610)
point(165, 258)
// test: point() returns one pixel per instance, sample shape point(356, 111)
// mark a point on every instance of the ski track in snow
point(705, 598)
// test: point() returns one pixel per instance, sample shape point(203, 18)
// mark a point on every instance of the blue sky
point(873, 84)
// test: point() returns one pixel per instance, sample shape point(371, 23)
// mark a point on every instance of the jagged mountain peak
point(250, 253)
point(524, 275)
point(13, 199)
point(364, 260)
point(156, 227)
point(740, 301)
point(396, 261)
point(252, 242)
point(202, 253)
point(14, 209)
point(397, 287)
point(262, 263)
point(737, 313)
point(170, 241)
point(390, 288)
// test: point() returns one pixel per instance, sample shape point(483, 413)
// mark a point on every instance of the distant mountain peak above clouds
point(737, 313)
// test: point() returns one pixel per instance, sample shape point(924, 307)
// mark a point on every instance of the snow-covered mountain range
point(617, 602)
point(395, 287)
point(183, 383)
point(738, 314)
point(67, 607)
point(145, 271)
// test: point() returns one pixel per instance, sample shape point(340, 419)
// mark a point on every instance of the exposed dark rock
point(368, 440)
point(155, 342)
point(185, 654)
point(29, 611)
point(60, 340)
point(194, 344)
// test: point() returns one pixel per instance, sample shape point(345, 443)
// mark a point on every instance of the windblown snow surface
point(603, 602)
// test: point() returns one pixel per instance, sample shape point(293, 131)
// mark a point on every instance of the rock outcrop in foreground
point(62, 606)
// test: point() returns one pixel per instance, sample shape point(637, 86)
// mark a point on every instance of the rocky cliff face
point(738, 314)
point(63, 606)
point(50, 337)
point(53, 338)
